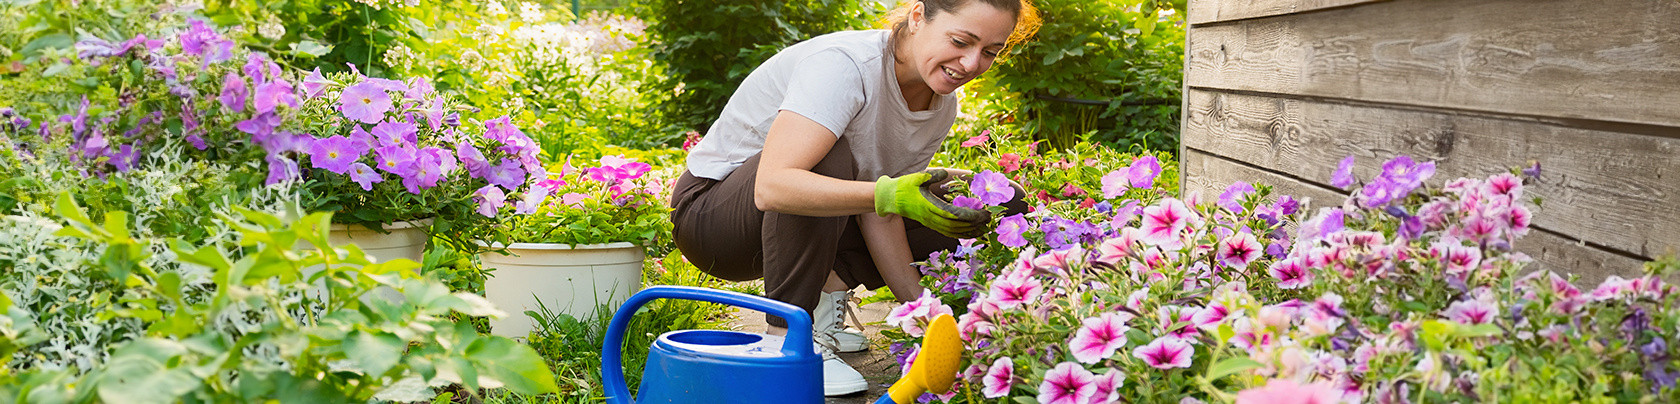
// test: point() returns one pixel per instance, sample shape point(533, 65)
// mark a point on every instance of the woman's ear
point(918, 16)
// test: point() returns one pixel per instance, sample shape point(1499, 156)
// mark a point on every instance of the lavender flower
point(233, 92)
point(1143, 171)
point(273, 94)
point(508, 174)
point(394, 133)
point(992, 188)
point(490, 198)
point(1009, 231)
point(314, 83)
point(1343, 177)
point(281, 169)
point(364, 175)
point(1232, 198)
point(202, 41)
point(365, 102)
point(397, 160)
point(334, 153)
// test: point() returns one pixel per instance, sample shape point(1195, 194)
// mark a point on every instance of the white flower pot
point(569, 280)
point(404, 240)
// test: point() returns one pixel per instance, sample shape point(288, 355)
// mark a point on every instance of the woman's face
point(956, 46)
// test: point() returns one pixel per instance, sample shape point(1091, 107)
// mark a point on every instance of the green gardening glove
point(911, 196)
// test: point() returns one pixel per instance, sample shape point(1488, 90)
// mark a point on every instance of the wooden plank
point(1611, 60)
point(1206, 11)
point(1618, 190)
point(1210, 175)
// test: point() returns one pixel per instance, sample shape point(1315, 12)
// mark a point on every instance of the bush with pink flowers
point(618, 200)
point(1404, 292)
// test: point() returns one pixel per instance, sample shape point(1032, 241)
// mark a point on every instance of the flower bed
point(1403, 292)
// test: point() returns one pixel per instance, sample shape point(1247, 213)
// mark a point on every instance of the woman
point(813, 177)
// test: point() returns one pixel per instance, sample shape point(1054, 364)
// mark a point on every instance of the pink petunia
point(1108, 387)
point(364, 176)
point(1099, 337)
point(1143, 171)
point(1471, 312)
point(1239, 250)
point(1115, 184)
point(999, 378)
point(1284, 391)
point(1009, 162)
point(975, 141)
point(1111, 251)
point(910, 316)
point(1010, 292)
point(1166, 352)
point(1164, 223)
point(532, 200)
point(1067, 383)
point(1210, 316)
point(1291, 273)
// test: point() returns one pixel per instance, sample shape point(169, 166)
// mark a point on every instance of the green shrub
point(707, 48)
point(1106, 71)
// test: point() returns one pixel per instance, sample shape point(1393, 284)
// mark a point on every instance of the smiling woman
point(815, 176)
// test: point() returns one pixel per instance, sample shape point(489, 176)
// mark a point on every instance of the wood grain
point(1611, 60)
point(1615, 189)
point(1206, 11)
point(1210, 175)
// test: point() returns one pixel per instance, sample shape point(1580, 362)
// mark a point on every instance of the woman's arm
point(785, 182)
point(891, 252)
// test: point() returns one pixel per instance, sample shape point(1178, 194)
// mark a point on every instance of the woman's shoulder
point(859, 45)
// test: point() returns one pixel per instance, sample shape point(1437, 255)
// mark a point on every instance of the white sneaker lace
point(838, 323)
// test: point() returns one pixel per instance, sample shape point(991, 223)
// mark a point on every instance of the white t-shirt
point(845, 82)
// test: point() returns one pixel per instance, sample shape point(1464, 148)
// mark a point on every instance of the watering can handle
point(797, 343)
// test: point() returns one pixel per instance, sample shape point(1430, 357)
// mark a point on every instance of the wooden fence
point(1279, 91)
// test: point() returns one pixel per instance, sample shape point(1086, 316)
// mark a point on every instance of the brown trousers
point(721, 231)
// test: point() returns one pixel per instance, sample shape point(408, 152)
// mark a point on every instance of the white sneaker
point(838, 377)
point(829, 319)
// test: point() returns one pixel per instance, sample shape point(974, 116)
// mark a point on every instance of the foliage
point(1402, 292)
point(576, 82)
point(312, 327)
point(707, 48)
point(330, 35)
point(613, 202)
point(1124, 55)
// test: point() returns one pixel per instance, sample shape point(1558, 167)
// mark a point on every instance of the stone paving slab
point(877, 367)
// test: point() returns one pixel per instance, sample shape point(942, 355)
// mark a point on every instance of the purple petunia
point(273, 94)
point(281, 169)
point(1232, 198)
point(397, 160)
point(334, 153)
point(490, 198)
point(395, 133)
point(1009, 231)
point(1343, 177)
point(365, 102)
point(260, 127)
point(473, 160)
point(967, 202)
point(364, 175)
point(508, 174)
point(233, 92)
point(1067, 383)
point(992, 188)
point(200, 40)
point(1143, 171)
point(314, 83)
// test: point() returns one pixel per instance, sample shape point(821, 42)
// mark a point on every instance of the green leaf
point(514, 364)
point(1026, 400)
point(66, 207)
point(1478, 330)
point(136, 374)
point(375, 352)
point(310, 48)
point(208, 256)
point(1231, 365)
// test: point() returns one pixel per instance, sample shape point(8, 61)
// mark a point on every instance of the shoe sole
point(831, 390)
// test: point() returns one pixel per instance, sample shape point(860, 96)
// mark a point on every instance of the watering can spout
point(716, 366)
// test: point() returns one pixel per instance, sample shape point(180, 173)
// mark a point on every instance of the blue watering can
point(716, 366)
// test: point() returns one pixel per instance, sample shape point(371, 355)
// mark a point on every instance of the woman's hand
point(911, 196)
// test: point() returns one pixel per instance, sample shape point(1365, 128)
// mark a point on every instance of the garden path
point(877, 366)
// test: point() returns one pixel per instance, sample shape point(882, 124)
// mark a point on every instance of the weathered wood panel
point(1211, 175)
point(1612, 60)
point(1615, 189)
point(1205, 11)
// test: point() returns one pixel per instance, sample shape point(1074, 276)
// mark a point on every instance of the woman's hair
point(1026, 17)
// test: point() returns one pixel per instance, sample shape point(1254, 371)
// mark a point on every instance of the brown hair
point(1026, 17)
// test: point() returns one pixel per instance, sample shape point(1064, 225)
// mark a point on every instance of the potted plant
point(573, 241)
